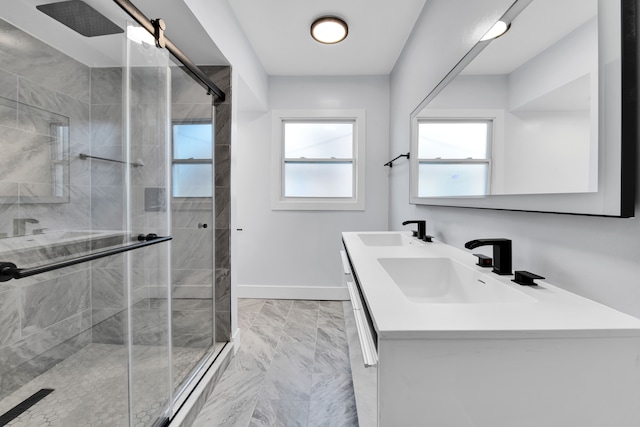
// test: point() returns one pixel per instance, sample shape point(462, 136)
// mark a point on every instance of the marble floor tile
point(305, 305)
point(287, 383)
point(322, 414)
point(301, 326)
point(334, 307)
point(233, 401)
point(250, 305)
point(290, 413)
point(273, 313)
point(300, 350)
point(258, 346)
point(332, 337)
point(294, 355)
point(332, 388)
point(245, 319)
point(331, 360)
point(331, 320)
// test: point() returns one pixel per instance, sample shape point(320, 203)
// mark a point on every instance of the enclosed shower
point(114, 221)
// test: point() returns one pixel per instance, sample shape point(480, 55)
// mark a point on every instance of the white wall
point(592, 256)
point(295, 254)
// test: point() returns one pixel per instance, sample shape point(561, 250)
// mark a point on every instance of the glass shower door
point(147, 83)
point(193, 228)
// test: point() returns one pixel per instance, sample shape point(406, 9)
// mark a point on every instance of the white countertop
point(552, 312)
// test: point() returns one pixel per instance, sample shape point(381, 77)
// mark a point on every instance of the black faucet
point(501, 253)
point(20, 225)
point(422, 228)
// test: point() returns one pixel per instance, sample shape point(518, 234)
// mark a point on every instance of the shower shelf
point(9, 270)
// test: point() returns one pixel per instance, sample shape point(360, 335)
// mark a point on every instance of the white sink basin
point(388, 239)
point(443, 280)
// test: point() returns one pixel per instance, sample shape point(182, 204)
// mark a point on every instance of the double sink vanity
point(444, 342)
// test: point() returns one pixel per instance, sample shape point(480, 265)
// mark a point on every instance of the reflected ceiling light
point(329, 30)
point(496, 31)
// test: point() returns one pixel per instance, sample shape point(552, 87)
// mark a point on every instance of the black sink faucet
point(422, 228)
point(501, 253)
point(20, 225)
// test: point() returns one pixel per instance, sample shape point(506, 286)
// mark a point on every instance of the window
point(454, 157)
point(192, 159)
point(318, 160)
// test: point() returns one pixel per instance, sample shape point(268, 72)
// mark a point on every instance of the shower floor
point(91, 387)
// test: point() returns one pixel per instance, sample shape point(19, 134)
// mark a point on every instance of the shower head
point(80, 17)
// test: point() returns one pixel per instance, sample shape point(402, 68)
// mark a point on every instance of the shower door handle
point(9, 270)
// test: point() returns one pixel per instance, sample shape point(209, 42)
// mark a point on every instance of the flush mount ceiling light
point(496, 31)
point(329, 30)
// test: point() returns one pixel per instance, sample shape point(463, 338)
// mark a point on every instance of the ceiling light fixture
point(498, 29)
point(329, 30)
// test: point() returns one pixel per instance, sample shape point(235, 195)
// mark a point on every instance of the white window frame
point(278, 200)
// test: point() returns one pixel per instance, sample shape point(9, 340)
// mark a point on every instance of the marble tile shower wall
point(43, 319)
point(192, 246)
point(221, 76)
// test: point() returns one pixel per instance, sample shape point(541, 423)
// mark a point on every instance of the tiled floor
point(292, 369)
point(91, 387)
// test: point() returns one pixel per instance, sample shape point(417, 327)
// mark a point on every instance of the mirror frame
point(616, 182)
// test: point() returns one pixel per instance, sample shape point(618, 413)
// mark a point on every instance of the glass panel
point(192, 141)
point(452, 140)
point(192, 297)
point(318, 140)
point(440, 180)
point(148, 142)
point(63, 330)
point(318, 180)
point(192, 180)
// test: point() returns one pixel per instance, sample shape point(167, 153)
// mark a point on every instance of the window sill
point(317, 205)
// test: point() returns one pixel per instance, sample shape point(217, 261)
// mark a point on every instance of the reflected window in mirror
point(454, 157)
point(192, 159)
point(568, 98)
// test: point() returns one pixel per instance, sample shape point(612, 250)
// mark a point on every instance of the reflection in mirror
point(557, 96)
point(533, 97)
point(35, 164)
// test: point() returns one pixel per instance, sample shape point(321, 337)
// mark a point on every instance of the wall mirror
point(35, 164)
point(541, 118)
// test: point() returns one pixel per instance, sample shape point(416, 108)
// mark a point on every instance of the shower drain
point(23, 406)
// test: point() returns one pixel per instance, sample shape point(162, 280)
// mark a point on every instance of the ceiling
point(527, 37)
point(278, 30)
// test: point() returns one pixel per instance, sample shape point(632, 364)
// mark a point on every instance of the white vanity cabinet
point(546, 358)
point(363, 371)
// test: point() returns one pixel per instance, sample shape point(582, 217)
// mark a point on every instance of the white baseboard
point(324, 293)
point(235, 341)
